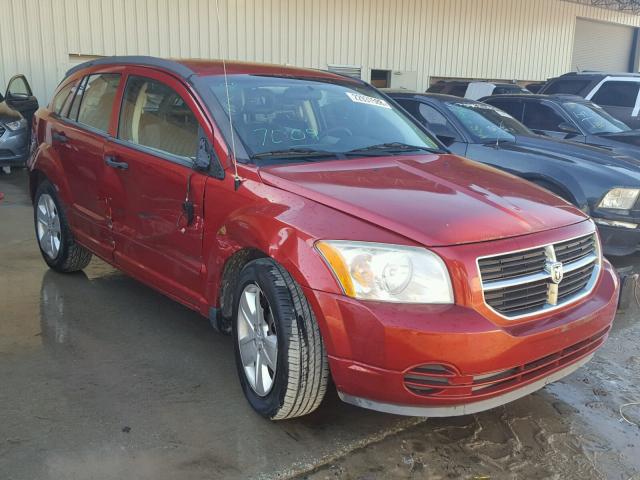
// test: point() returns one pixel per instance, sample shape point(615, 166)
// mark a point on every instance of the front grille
point(522, 283)
point(441, 381)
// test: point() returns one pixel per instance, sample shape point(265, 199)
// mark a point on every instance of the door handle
point(59, 137)
point(110, 161)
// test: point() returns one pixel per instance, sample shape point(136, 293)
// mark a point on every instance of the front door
point(20, 97)
point(79, 137)
point(154, 195)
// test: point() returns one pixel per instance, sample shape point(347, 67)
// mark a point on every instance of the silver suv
point(617, 93)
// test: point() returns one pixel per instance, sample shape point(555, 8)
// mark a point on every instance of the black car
point(569, 117)
point(16, 110)
point(618, 93)
point(605, 185)
point(461, 88)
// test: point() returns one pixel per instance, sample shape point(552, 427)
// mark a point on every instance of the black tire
point(302, 372)
point(71, 257)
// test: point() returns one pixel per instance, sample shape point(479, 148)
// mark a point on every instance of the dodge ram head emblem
point(556, 270)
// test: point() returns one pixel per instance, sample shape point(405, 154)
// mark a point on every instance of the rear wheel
point(58, 248)
point(280, 356)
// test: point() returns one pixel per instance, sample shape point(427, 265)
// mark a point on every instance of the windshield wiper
point(295, 153)
point(391, 147)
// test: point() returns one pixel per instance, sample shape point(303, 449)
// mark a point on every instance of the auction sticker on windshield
point(367, 100)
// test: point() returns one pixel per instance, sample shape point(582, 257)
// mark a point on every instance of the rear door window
point(93, 103)
point(617, 94)
point(541, 117)
point(568, 86)
point(155, 116)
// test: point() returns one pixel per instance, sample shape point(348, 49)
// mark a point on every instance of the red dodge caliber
point(306, 214)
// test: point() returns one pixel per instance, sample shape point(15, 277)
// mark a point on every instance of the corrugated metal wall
point(510, 39)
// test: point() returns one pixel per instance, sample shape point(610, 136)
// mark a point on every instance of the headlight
point(388, 273)
point(17, 125)
point(620, 199)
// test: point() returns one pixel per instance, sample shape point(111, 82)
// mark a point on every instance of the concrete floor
point(103, 378)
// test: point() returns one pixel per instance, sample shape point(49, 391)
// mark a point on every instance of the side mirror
point(444, 133)
point(447, 140)
point(568, 128)
point(202, 161)
point(206, 159)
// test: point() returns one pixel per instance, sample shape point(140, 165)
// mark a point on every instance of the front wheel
point(55, 240)
point(280, 356)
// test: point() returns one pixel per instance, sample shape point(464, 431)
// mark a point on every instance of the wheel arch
point(566, 188)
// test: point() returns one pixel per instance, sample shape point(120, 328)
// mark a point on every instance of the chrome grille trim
point(527, 290)
point(536, 277)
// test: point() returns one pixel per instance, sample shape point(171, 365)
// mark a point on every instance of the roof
point(441, 97)
point(596, 73)
point(188, 68)
point(540, 96)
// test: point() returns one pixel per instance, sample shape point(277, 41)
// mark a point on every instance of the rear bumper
point(381, 355)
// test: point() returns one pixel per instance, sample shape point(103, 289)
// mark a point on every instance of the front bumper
point(619, 241)
point(381, 354)
point(14, 148)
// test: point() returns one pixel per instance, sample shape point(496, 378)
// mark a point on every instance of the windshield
point(285, 118)
point(487, 123)
point(594, 119)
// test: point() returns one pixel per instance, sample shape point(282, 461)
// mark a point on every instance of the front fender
point(46, 163)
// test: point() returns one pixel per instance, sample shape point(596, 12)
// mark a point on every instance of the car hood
point(632, 137)
point(8, 114)
point(572, 152)
point(435, 200)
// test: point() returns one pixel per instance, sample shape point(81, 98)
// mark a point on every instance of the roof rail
point(144, 60)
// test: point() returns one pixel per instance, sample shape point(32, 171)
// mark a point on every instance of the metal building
point(396, 42)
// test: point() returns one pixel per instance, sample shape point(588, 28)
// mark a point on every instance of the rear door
point(149, 178)
point(79, 133)
point(620, 97)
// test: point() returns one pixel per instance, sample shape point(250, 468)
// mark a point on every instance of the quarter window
point(541, 117)
point(617, 94)
point(156, 116)
point(94, 101)
point(432, 116)
point(61, 98)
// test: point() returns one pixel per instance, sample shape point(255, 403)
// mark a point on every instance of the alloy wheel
point(257, 339)
point(48, 226)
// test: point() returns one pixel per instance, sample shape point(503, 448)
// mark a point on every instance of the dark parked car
point(474, 89)
point(345, 240)
point(605, 185)
point(570, 117)
point(16, 110)
point(618, 93)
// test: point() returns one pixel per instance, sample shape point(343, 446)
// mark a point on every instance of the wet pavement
point(103, 378)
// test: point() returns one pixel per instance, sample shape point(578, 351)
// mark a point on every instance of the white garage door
point(602, 46)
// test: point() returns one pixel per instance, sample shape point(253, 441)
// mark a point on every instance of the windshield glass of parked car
point(594, 119)
point(487, 123)
point(285, 118)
